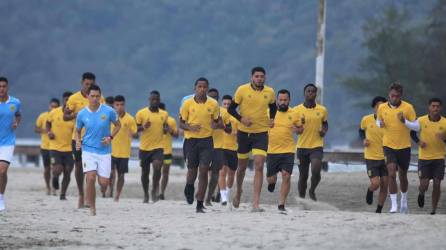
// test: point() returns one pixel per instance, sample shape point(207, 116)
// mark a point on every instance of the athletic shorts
point(61, 158)
point(6, 153)
point(230, 159)
point(305, 155)
point(279, 162)
point(430, 169)
point(147, 157)
point(376, 168)
point(121, 165)
point(199, 152)
point(255, 142)
point(401, 157)
point(97, 162)
point(77, 154)
point(45, 153)
point(217, 159)
point(168, 159)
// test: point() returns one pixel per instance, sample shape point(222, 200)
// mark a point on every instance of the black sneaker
point(369, 197)
point(421, 200)
point(62, 197)
point(161, 197)
point(282, 208)
point(312, 195)
point(433, 212)
point(200, 207)
point(189, 191)
point(271, 187)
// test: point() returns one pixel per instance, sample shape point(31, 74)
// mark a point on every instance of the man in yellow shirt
point(152, 123)
point(281, 146)
point(76, 103)
point(254, 99)
point(392, 117)
point(40, 128)
point(372, 137)
point(121, 146)
point(172, 132)
point(310, 142)
point(230, 160)
point(431, 151)
point(198, 118)
point(59, 134)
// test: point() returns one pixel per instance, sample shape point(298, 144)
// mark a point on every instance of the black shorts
point(230, 159)
point(62, 158)
point(121, 165)
point(45, 157)
point(199, 151)
point(77, 154)
point(217, 159)
point(147, 157)
point(256, 142)
point(168, 159)
point(376, 168)
point(431, 169)
point(401, 157)
point(305, 155)
point(278, 162)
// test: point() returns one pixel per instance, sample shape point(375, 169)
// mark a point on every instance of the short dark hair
point(310, 85)
point(89, 76)
point(94, 87)
point(155, 92)
point(109, 100)
point(397, 87)
point(213, 90)
point(66, 94)
point(227, 97)
point(55, 100)
point(378, 99)
point(162, 106)
point(4, 79)
point(258, 69)
point(435, 100)
point(202, 79)
point(119, 98)
point(284, 91)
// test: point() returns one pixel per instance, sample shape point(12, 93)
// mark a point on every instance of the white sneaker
point(404, 210)
point(2, 205)
point(393, 210)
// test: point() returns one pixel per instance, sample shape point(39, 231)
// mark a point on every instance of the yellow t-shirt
point(201, 114)
point(41, 123)
point(151, 138)
point(314, 117)
point(396, 134)
point(281, 139)
point(374, 135)
point(122, 142)
point(167, 138)
point(76, 103)
point(230, 140)
point(435, 148)
point(61, 129)
point(253, 104)
point(218, 134)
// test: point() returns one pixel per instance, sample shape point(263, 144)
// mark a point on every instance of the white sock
point(393, 198)
point(1, 196)
point(404, 199)
point(223, 194)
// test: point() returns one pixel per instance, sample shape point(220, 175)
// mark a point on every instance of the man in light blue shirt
point(9, 120)
point(96, 143)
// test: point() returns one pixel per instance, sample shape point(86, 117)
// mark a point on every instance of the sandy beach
point(339, 220)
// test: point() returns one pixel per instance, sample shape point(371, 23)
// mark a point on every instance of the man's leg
point(67, 169)
point(119, 186)
point(91, 191)
point(57, 171)
point(284, 189)
point(157, 164)
point(259, 161)
point(202, 185)
point(393, 188)
point(240, 175)
point(213, 181)
point(436, 194)
point(3, 181)
point(373, 186)
point(164, 179)
point(112, 181)
point(316, 166)
point(384, 182)
point(402, 174)
point(145, 175)
point(47, 170)
point(78, 174)
point(222, 184)
point(422, 188)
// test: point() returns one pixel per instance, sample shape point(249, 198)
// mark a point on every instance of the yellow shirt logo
point(103, 117)
point(12, 108)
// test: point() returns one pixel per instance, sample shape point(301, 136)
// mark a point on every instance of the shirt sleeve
point(238, 96)
point(79, 122)
point(325, 116)
point(174, 125)
point(138, 118)
point(113, 116)
point(411, 115)
point(216, 112)
point(71, 104)
point(184, 111)
point(273, 97)
point(19, 108)
point(133, 128)
point(39, 121)
point(362, 125)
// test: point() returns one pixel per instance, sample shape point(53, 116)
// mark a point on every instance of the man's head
point(226, 101)
point(65, 97)
point(154, 99)
point(3, 86)
point(201, 87)
point(94, 95)
point(258, 76)
point(54, 103)
point(109, 100)
point(435, 107)
point(283, 99)
point(213, 93)
point(88, 79)
point(378, 100)
point(310, 92)
point(395, 94)
point(119, 104)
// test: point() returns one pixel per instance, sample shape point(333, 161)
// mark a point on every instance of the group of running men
point(218, 142)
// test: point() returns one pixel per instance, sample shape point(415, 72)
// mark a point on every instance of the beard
point(283, 108)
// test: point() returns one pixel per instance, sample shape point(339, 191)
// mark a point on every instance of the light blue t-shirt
point(97, 126)
point(8, 112)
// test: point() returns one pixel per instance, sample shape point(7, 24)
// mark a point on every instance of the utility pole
point(320, 50)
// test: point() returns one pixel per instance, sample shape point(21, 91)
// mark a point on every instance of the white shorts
point(6, 153)
point(97, 162)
